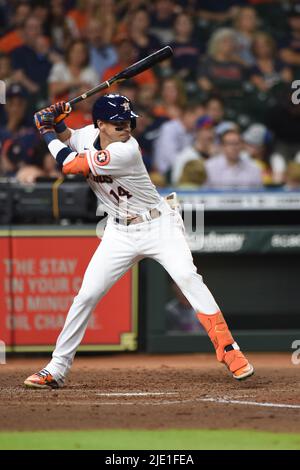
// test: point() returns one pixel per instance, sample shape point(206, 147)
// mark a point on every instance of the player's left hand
point(44, 121)
point(60, 110)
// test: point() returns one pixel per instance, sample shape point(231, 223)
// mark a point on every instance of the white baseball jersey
point(118, 175)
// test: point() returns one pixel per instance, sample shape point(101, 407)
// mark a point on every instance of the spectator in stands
point(219, 11)
point(258, 143)
point(185, 48)
point(67, 77)
point(283, 120)
point(180, 316)
point(145, 97)
point(289, 47)
point(127, 7)
point(222, 71)
point(202, 148)
point(31, 66)
point(158, 179)
point(146, 132)
point(102, 54)
point(174, 136)
point(86, 10)
point(5, 80)
point(230, 170)
point(162, 19)
point(17, 136)
point(82, 13)
point(42, 165)
point(172, 98)
point(267, 70)
point(128, 88)
point(223, 127)
point(127, 55)
point(215, 109)
point(81, 115)
point(138, 32)
point(292, 177)
point(5, 69)
point(13, 36)
point(245, 24)
point(4, 17)
point(15, 109)
point(41, 11)
point(61, 28)
point(193, 175)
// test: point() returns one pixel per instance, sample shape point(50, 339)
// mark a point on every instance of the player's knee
point(184, 279)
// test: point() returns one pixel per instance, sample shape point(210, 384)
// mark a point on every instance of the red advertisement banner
point(6, 334)
point(42, 275)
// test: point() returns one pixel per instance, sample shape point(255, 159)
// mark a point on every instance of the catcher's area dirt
point(140, 391)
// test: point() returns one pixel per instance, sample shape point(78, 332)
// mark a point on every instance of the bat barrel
point(145, 63)
point(129, 72)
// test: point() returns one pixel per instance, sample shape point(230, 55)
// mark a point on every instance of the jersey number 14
point(121, 192)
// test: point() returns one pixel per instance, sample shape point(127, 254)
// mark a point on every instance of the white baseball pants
point(121, 247)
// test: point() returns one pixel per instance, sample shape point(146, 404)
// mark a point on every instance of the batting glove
point(44, 121)
point(60, 111)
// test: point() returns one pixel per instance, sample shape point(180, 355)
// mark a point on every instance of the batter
point(140, 224)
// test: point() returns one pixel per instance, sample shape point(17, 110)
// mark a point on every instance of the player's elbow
point(76, 165)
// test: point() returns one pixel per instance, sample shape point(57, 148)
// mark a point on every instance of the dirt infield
point(154, 392)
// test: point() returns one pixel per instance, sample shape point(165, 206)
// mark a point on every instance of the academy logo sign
point(226, 243)
point(286, 241)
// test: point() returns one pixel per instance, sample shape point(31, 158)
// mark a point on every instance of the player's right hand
point(44, 121)
point(60, 111)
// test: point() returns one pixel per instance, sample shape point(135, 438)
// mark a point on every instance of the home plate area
point(154, 392)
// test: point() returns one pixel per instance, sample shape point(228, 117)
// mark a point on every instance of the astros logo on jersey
point(101, 158)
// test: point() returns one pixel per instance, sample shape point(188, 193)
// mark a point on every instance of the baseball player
point(140, 224)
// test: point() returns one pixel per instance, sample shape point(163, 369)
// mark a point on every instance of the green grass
point(191, 439)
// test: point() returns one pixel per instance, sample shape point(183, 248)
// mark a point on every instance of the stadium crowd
point(218, 115)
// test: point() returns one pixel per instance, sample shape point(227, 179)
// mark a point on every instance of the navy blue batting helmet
point(113, 107)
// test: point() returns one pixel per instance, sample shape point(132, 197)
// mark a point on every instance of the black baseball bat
point(131, 71)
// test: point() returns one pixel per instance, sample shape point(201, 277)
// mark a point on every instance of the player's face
point(117, 131)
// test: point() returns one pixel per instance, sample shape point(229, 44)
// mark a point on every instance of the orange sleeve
point(10, 42)
point(79, 165)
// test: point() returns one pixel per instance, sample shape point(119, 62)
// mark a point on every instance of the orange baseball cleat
point(237, 363)
point(42, 379)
